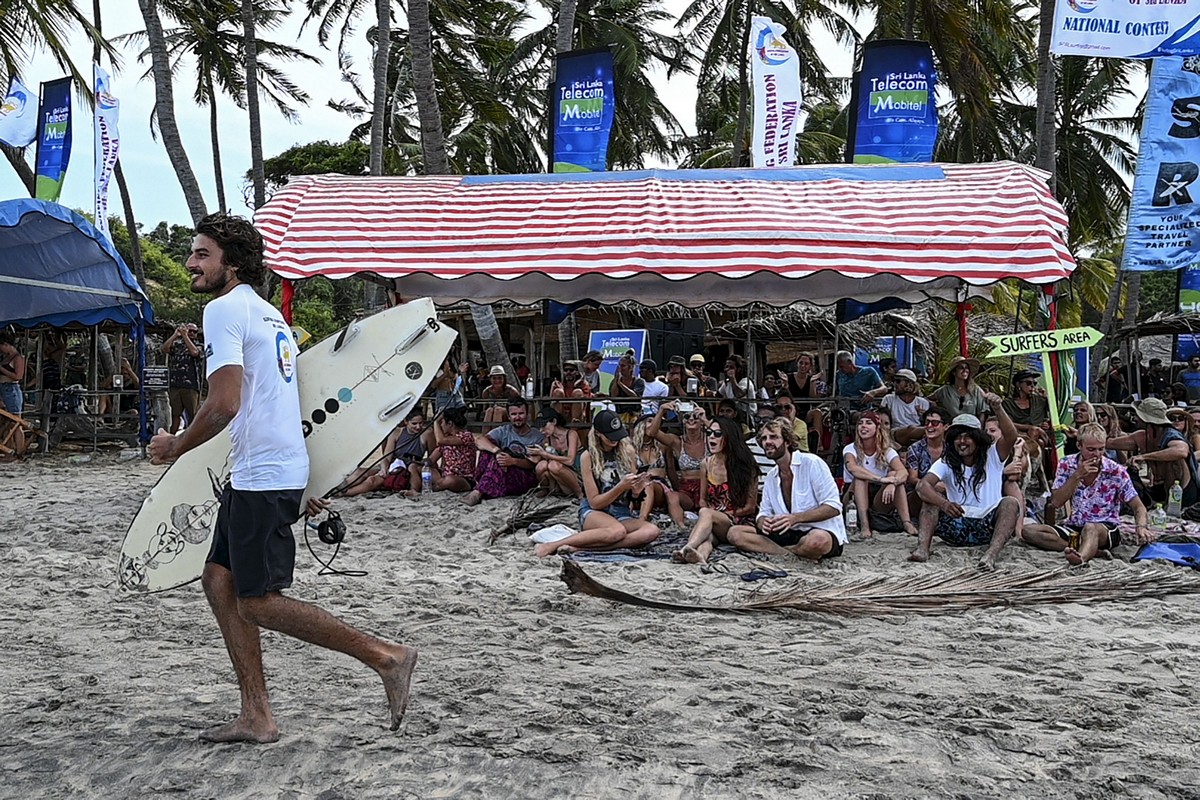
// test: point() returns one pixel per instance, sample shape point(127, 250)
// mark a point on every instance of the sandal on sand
point(760, 573)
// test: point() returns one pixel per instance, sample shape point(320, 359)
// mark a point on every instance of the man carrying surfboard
point(251, 365)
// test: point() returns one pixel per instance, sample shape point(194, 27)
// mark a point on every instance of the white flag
point(775, 67)
point(108, 145)
point(18, 116)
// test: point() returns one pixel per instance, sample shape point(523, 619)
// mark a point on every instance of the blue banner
point(1163, 216)
point(893, 116)
point(582, 107)
point(612, 345)
point(53, 138)
point(1188, 344)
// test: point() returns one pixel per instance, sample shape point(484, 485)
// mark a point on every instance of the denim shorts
point(11, 397)
point(618, 511)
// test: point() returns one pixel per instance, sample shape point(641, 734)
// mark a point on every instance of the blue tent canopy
point(56, 269)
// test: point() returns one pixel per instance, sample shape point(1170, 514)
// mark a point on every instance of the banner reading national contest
point(775, 72)
point(107, 145)
point(1163, 215)
point(1126, 28)
point(893, 116)
point(53, 139)
point(581, 110)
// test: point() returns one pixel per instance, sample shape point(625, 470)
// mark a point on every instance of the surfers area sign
point(1126, 28)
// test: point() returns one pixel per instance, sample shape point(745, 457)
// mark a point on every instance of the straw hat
point(972, 362)
point(1152, 411)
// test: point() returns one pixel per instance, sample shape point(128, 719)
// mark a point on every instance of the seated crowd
point(728, 463)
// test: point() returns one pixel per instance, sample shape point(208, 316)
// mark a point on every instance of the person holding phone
point(610, 480)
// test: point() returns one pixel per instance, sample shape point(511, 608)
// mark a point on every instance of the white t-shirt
point(240, 328)
point(879, 468)
point(905, 415)
point(746, 385)
point(975, 504)
point(654, 389)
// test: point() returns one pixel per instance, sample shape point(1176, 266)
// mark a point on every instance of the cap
point(966, 421)
point(677, 361)
point(1152, 410)
point(548, 414)
point(906, 374)
point(648, 363)
point(696, 358)
point(608, 423)
point(1025, 374)
point(496, 370)
point(573, 362)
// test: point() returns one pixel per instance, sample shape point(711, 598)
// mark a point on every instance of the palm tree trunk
point(433, 141)
point(164, 111)
point(1047, 104)
point(433, 147)
point(743, 118)
point(910, 16)
point(383, 50)
point(16, 157)
point(257, 176)
point(214, 135)
point(568, 329)
point(135, 241)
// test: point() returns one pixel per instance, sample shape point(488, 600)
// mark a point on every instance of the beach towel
point(1181, 550)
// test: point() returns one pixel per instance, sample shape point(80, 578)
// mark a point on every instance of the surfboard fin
point(412, 339)
point(405, 404)
point(347, 335)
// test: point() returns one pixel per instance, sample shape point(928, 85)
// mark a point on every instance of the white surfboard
point(355, 387)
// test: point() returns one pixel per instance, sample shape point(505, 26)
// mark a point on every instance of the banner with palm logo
point(18, 115)
point(775, 75)
point(108, 145)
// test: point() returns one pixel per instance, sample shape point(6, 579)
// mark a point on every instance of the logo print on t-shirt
point(283, 356)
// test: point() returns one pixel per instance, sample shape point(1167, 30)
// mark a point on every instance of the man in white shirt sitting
point(654, 389)
point(974, 509)
point(906, 406)
point(801, 511)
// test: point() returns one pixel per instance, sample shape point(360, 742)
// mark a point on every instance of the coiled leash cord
point(331, 531)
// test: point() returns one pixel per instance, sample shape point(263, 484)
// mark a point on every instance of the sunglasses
point(715, 433)
point(934, 422)
point(1101, 415)
point(1029, 383)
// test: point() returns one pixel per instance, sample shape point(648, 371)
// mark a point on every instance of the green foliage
point(168, 282)
point(316, 158)
point(174, 240)
point(323, 307)
point(1159, 295)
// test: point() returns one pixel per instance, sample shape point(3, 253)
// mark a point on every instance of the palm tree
point(212, 32)
point(250, 56)
point(164, 110)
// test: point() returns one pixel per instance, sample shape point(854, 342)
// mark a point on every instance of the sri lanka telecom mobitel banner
point(775, 70)
point(582, 110)
point(893, 114)
point(54, 138)
point(1126, 28)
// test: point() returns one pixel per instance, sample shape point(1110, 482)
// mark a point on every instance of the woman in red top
point(728, 489)
point(457, 452)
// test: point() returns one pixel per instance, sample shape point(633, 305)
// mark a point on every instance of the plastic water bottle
point(1175, 500)
point(1158, 518)
point(426, 479)
point(529, 388)
point(851, 518)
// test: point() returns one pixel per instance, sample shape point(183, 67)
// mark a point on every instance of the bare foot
point(397, 675)
point(909, 528)
point(543, 491)
point(242, 731)
point(473, 498)
point(677, 557)
point(1072, 555)
point(920, 556)
point(987, 563)
point(691, 555)
point(545, 549)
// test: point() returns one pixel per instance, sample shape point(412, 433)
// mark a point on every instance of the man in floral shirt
point(1096, 486)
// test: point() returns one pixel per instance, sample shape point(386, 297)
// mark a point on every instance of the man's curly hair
point(241, 244)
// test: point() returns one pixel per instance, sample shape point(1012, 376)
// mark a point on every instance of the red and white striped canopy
point(816, 234)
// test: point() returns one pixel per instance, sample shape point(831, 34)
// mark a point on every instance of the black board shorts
point(793, 536)
point(254, 541)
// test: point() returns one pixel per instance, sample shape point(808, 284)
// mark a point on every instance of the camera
point(693, 385)
point(685, 407)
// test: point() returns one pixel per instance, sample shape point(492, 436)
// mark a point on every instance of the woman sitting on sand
point(689, 450)
point(877, 473)
point(655, 460)
point(1106, 417)
point(554, 459)
point(455, 450)
point(610, 479)
point(728, 490)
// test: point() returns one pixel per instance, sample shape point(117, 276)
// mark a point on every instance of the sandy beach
point(526, 691)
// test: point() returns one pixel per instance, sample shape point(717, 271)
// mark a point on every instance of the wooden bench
point(10, 426)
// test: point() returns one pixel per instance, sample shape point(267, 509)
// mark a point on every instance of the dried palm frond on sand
point(931, 593)
point(528, 509)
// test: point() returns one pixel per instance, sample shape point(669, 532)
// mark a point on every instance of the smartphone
point(693, 385)
point(685, 407)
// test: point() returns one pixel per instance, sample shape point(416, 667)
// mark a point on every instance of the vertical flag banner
point(1188, 344)
point(108, 144)
point(1163, 215)
point(775, 77)
point(54, 138)
point(1126, 28)
point(893, 116)
point(18, 116)
point(582, 109)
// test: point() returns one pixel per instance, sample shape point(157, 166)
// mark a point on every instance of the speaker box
point(675, 337)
